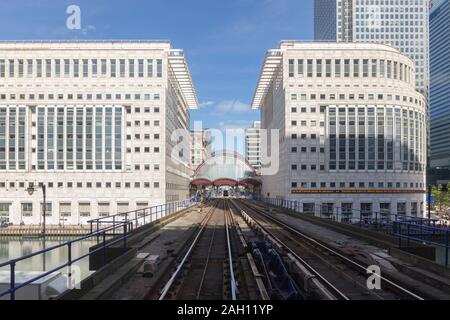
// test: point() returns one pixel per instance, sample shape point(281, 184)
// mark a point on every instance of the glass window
point(94, 67)
point(140, 68)
point(291, 68)
point(79, 138)
point(48, 68)
point(149, 68)
point(89, 138)
point(118, 138)
point(98, 138)
point(2, 68)
point(346, 68)
point(85, 68)
point(39, 68)
point(108, 138)
point(11, 68)
point(328, 68)
point(319, 68)
point(122, 68)
point(158, 68)
point(374, 68)
point(389, 69)
point(76, 68)
point(29, 68)
point(365, 68)
point(113, 68)
point(67, 68)
point(355, 68)
point(103, 62)
point(309, 68)
point(131, 68)
point(300, 68)
point(337, 68)
point(57, 68)
point(21, 63)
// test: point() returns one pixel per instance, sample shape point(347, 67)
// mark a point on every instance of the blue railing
point(409, 228)
point(425, 234)
point(111, 230)
point(125, 228)
point(142, 216)
point(376, 219)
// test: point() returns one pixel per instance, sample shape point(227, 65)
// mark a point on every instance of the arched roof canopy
point(225, 168)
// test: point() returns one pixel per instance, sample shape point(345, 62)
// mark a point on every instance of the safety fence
point(108, 231)
point(405, 228)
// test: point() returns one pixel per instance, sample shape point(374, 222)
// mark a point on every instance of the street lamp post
point(430, 188)
point(31, 190)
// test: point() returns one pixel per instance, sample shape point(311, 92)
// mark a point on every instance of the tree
point(441, 198)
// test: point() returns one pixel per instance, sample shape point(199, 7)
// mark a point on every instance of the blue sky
point(224, 40)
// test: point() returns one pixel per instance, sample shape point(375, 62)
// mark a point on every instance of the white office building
point(200, 143)
point(402, 24)
point(252, 145)
point(352, 127)
point(92, 121)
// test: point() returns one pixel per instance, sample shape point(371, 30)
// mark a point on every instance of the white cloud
point(206, 104)
point(232, 106)
point(234, 124)
point(88, 29)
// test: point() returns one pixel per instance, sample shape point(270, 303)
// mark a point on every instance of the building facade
point(253, 145)
point(200, 141)
point(93, 122)
point(403, 24)
point(352, 127)
point(440, 84)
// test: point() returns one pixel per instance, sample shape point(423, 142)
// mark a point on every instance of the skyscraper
point(402, 24)
point(325, 20)
point(440, 84)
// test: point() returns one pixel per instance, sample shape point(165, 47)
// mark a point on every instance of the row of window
point(89, 185)
point(359, 185)
point(352, 96)
point(80, 96)
point(375, 138)
point(85, 209)
point(346, 68)
point(81, 68)
point(365, 209)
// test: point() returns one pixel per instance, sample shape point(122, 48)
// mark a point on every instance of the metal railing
point(104, 234)
point(140, 217)
point(409, 228)
point(424, 234)
point(109, 230)
point(379, 220)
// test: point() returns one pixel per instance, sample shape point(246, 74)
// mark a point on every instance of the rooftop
point(273, 58)
point(176, 57)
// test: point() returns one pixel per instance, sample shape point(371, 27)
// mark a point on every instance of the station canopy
point(225, 168)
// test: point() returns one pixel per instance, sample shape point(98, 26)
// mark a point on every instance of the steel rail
point(228, 221)
point(334, 252)
point(169, 283)
point(302, 261)
point(200, 287)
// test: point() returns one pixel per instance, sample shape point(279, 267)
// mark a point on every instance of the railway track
point(336, 275)
point(214, 266)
